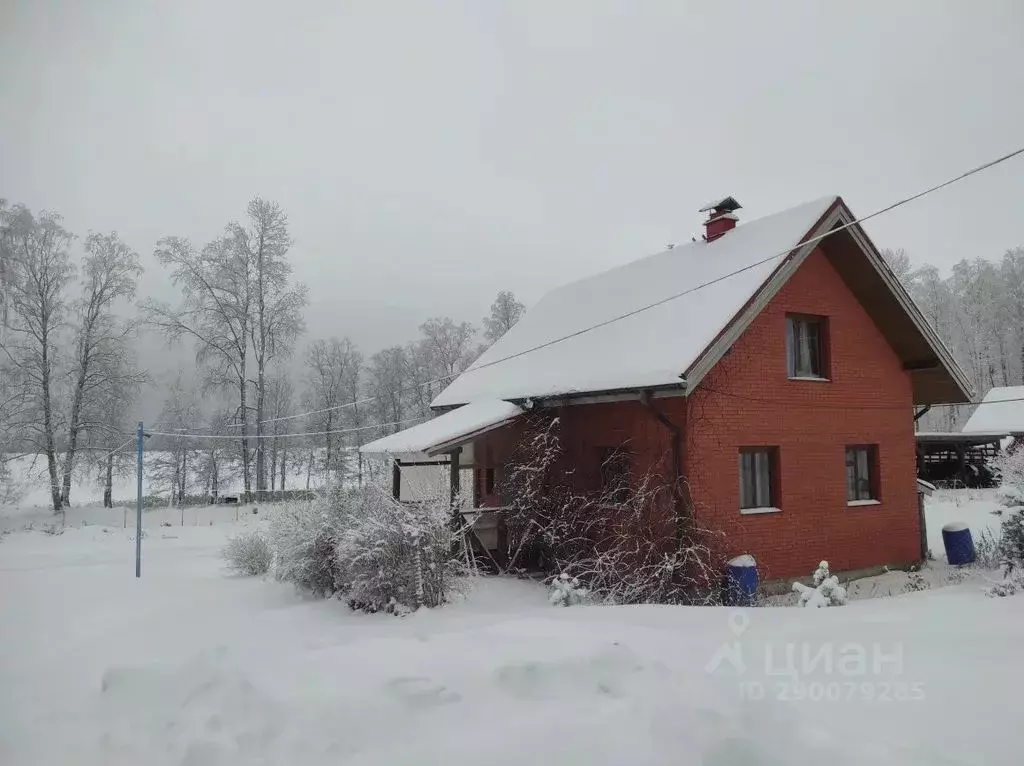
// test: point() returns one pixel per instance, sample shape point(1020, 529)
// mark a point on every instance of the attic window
point(807, 347)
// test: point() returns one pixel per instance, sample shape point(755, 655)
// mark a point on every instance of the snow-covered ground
point(192, 666)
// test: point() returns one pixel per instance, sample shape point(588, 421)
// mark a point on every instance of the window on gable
point(861, 473)
point(806, 346)
point(614, 468)
point(758, 477)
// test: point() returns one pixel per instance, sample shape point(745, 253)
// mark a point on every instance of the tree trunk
point(273, 464)
point(246, 468)
point(261, 368)
point(108, 487)
point(284, 460)
point(51, 448)
point(76, 413)
point(215, 477)
point(309, 468)
point(261, 458)
point(329, 441)
point(183, 486)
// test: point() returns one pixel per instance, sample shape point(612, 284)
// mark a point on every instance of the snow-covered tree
point(102, 364)
point(505, 312)
point(333, 369)
point(276, 303)
point(37, 273)
point(385, 381)
point(448, 345)
point(173, 463)
point(216, 287)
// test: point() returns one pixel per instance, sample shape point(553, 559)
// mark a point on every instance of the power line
point(236, 437)
point(675, 296)
point(118, 449)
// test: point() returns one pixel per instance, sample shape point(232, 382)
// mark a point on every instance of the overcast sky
point(430, 154)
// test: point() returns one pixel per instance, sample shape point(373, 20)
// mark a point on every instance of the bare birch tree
point(216, 286)
point(110, 273)
point(276, 306)
point(38, 271)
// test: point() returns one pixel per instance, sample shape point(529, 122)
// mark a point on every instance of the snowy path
point(191, 666)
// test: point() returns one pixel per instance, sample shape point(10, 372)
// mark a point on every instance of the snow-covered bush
point(303, 536)
point(1009, 468)
point(1011, 543)
point(1007, 587)
point(248, 554)
point(396, 556)
point(988, 550)
point(826, 591)
point(915, 583)
point(361, 544)
point(956, 576)
point(1010, 554)
point(566, 591)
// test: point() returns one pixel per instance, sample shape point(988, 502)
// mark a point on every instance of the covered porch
point(444, 457)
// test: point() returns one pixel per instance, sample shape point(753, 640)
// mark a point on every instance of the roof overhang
point(958, 437)
point(935, 376)
point(446, 432)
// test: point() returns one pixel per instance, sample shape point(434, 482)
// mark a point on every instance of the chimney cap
point(724, 205)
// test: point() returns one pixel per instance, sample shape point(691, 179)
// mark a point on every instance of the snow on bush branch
point(566, 591)
point(826, 591)
point(633, 541)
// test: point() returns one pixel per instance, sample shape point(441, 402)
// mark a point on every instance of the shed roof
point(664, 320)
point(958, 437)
point(1001, 410)
point(445, 431)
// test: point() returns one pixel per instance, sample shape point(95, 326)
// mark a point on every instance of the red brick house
point(776, 363)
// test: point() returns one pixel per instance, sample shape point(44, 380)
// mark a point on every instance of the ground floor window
point(861, 473)
point(758, 480)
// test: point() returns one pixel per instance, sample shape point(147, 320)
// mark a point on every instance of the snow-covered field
point(192, 666)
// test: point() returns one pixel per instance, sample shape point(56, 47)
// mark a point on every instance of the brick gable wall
point(867, 401)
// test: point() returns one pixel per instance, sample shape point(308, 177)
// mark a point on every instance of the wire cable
point(236, 437)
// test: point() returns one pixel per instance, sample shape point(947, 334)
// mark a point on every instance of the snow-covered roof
point(1001, 411)
point(649, 348)
point(447, 429)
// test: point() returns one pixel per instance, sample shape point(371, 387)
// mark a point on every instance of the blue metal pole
point(138, 510)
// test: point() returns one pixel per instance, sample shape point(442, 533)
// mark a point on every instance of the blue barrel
point(741, 581)
point(956, 537)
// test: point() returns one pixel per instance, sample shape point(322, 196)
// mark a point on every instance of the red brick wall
point(811, 423)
